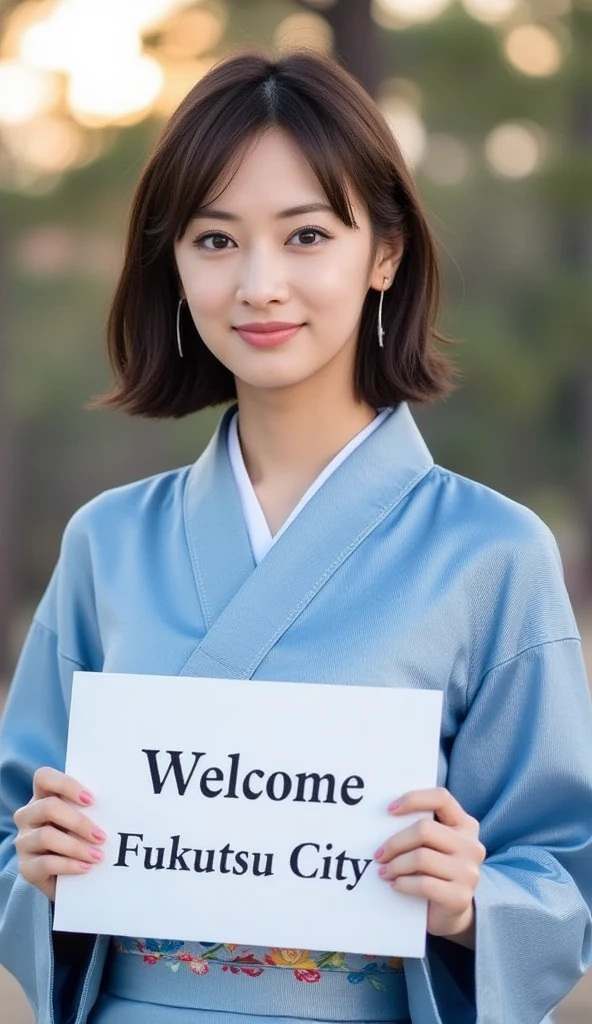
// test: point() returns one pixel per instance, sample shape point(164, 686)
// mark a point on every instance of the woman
point(278, 255)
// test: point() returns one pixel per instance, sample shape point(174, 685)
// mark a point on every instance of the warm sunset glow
point(490, 11)
point(192, 33)
point(98, 45)
point(24, 92)
point(72, 35)
point(179, 77)
point(46, 144)
point(144, 14)
point(121, 93)
point(515, 150)
point(308, 30)
point(16, 21)
point(88, 59)
point(533, 50)
point(64, 32)
point(399, 13)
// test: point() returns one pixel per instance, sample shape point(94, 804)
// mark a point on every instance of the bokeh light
point(306, 29)
point(72, 64)
point(47, 144)
point(407, 127)
point(98, 46)
point(556, 8)
point(192, 33)
point(52, 250)
point(16, 21)
point(73, 35)
point(515, 149)
point(446, 160)
point(179, 77)
point(399, 13)
point(490, 11)
point(25, 92)
point(397, 88)
point(116, 94)
point(533, 50)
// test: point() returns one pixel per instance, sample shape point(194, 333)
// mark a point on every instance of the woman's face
point(270, 252)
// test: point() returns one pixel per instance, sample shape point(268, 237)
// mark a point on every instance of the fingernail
point(382, 870)
point(84, 866)
point(96, 854)
point(394, 806)
point(85, 797)
point(379, 853)
point(98, 835)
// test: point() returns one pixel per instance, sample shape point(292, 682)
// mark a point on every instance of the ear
point(385, 264)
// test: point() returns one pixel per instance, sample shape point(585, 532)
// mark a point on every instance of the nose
point(262, 279)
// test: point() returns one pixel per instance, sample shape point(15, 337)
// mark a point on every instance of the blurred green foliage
point(517, 293)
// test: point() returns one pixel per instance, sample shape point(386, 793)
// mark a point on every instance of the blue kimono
point(396, 573)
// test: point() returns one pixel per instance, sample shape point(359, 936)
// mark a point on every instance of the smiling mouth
point(267, 335)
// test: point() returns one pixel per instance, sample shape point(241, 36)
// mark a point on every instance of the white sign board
point(247, 812)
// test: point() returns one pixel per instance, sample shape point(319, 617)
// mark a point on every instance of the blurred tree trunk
point(7, 484)
point(585, 411)
point(578, 249)
point(356, 40)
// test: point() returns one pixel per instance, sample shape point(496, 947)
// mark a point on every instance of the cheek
point(208, 293)
point(206, 285)
point(338, 283)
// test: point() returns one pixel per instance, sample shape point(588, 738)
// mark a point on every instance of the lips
point(267, 326)
point(267, 335)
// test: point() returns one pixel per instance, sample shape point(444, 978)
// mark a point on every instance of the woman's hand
point(55, 838)
point(440, 860)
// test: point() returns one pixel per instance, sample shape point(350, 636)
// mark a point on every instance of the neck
point(289, 437)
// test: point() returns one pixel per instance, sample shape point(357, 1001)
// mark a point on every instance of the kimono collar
point(245, 607)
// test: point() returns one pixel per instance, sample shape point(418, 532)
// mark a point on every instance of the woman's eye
point(217, 241)
point(214, 241)
point(308, 237)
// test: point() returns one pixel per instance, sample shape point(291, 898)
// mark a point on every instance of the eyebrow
point(293, 211)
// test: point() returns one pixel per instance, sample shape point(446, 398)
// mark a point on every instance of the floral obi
point(323, 986)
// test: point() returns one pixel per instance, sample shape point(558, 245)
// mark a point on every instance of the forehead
point(270, 173)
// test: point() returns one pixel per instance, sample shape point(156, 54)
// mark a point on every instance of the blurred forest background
point(492, 103)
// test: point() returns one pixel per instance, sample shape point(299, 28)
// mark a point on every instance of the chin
point(274, 377)
point(273, 383)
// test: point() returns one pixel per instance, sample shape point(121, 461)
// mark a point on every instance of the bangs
point(203, 165)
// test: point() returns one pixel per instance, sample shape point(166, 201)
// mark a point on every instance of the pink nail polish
point(84, 866)
point(97, 854)
point(85, 797)
point(382, 871)
point(394, 806)
point(98, 835)
point(379, 853)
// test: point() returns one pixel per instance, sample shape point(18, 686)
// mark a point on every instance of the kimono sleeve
point(32, 734)
point(521, 764)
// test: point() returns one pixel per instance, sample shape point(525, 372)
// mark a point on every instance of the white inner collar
point(260, 535)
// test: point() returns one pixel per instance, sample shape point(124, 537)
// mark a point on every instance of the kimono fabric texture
point(397, 572)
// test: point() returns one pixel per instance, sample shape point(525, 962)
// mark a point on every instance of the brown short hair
point(348, 145)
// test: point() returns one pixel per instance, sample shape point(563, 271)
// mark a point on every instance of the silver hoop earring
point(179, 345)
point(380, 327)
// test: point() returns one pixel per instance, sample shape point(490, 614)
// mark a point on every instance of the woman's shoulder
point(140, 504)
point(481, 512)
point(509, 563)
